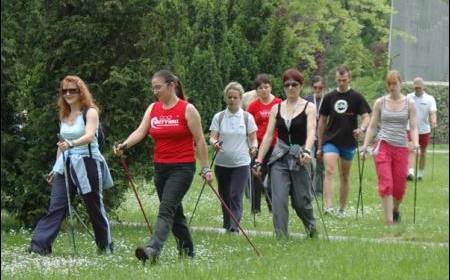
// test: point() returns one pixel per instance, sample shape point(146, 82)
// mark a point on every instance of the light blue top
point(76, 154)
point(235, 147)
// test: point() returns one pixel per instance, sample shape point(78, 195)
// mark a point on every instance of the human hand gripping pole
point(128, 174)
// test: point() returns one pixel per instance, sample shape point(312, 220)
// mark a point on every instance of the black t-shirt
point(342, 110)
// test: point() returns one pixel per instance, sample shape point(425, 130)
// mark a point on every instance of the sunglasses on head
point(294, 84)
point(70, 91)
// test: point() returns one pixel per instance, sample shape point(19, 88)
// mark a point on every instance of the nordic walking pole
point(432, 159)
point(128, 174)
point(360, 173)
point(234, 218)
point(82, 222)
point(203, 186)
point(66, 178)
point(252, 195)
point(415, 183)
point(317, 201)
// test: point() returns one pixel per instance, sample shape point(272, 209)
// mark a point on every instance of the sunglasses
point(294, 84)
point(70, 91)
point(317, 87)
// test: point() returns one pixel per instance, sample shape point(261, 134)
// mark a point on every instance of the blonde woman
point(392, 113)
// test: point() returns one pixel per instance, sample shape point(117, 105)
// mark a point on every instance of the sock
point(420, 173)
point(395, 209)
point(411, 171)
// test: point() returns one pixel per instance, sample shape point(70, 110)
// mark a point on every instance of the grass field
point(356, 248)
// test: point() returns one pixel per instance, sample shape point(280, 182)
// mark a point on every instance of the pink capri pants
point(391, 163)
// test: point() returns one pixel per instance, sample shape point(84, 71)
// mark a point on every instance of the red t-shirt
point(174, 142)
point(261, 114)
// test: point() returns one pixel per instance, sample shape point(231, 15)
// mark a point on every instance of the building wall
point(428, 55)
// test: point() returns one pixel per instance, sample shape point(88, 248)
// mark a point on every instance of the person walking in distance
point(175, 126)
point(316, 97)
point(88, 172)
point(260, 109)
point(338, 135)
point(426, 121)
point(293, 121)
point(233, 136)
point(391, 114)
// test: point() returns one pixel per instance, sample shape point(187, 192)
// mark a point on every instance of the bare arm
point(311, 126)
point(195, 126)
point(413, 125)
point(321, 131)
point(372, 127)
point(433, 118)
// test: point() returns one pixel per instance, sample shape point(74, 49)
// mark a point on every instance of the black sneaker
point(410, 177)
point(396, 216)
point(146, 253)
point(312, 231)
point(33, 250)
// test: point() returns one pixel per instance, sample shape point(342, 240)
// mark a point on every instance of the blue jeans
point(172, 181)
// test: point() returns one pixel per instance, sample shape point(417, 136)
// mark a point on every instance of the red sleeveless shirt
point(174, 142)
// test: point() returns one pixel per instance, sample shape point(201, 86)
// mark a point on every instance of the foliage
point(115, 46)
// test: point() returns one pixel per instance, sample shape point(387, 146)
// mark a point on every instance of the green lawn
point(361, 248)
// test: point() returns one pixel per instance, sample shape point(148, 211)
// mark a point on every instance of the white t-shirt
point(425, 104)
point(235, 148)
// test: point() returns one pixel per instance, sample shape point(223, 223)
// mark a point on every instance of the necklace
point(290, 114)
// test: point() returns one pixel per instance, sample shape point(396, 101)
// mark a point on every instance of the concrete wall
point(428, 56)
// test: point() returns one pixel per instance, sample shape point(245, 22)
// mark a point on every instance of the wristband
point(256, 165)
point(204, 171)
point(71, 144)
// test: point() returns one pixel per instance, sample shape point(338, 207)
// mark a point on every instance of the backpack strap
point(222, 114)
point(85, 110)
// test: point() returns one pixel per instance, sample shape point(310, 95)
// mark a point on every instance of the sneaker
point(340, 214)
point(396, 216)
point(33, 250)
point(146, 253)
point(312, 231)
point(419, 177)
point(329, 211)
point(410, 177)
point(109, 250)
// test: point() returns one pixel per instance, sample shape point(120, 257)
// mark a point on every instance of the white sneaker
point(329, 211)
point(340, 214)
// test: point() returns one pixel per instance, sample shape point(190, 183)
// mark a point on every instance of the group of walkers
point(286, 150)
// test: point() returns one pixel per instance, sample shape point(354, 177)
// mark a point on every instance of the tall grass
point(357, 248)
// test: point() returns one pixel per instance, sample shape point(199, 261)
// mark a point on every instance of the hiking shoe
point(396, 216)
point(33, 250)
point(146, 253)
point(329, 211)
point(312, 231)
point(410, 177)
point(340, 214)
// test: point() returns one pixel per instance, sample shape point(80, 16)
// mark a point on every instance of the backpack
point(100, 133)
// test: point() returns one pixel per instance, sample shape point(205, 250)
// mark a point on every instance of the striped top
point(393, 125)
